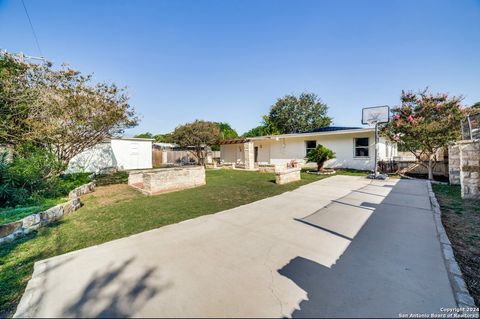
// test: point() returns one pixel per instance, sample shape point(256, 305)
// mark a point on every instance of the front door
point(255, 152)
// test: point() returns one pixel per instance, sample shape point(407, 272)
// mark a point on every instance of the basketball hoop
point(373, 116)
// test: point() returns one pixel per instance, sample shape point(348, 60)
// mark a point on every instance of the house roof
point(234, 141)
point(331, 130)
point(132, 139)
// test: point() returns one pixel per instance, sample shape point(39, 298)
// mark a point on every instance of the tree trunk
point(320, 166)
point(430, 169)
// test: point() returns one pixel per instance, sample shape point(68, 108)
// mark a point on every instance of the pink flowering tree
point(425, 123)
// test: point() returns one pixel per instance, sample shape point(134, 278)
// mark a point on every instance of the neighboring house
point(119, 153)
point(354, 148)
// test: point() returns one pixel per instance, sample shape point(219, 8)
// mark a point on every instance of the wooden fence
point(176, 157)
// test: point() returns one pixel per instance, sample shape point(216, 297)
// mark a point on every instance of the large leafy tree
point(16, 97)
point(291, 113)
point(60, 110)
point(163, 138)
point(425, 123)
point(196, 137)
point(144, 135)
point(266, 128)
point(226, 131)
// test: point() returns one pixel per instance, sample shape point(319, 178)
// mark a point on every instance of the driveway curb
point(460, 291)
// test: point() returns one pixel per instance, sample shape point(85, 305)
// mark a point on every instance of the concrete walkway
point(343, 246)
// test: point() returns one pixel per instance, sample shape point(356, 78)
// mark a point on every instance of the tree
point(59, 110)
point(266, 128)
point(320, 155)
point(292, 114)
point(144, 135)
point(163, 138)
point(197, 136)
point(16, 96)
point(425, 123)
point(226, 131)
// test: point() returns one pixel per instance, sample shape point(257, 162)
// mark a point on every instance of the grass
point(66, 183)
point(461, 219)
point(117, 211)
point(9, 214)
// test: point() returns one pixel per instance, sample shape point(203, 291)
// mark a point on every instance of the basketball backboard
point(375, 115)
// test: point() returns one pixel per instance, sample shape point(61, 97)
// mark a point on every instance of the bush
point(111, 178)
point(320, 155)
point(30, 177)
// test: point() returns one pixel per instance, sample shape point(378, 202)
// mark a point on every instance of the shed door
point(134, 158)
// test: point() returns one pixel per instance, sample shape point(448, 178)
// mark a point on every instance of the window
point(310, 145)
point(361, 147)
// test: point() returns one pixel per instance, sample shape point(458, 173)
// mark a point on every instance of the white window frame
point(355, 147)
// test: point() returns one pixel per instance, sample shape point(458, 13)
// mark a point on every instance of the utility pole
point(22, 57)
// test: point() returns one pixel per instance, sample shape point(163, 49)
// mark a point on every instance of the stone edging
point(460, 291)
point(11, 231)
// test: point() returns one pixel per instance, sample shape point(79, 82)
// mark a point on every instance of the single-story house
point(118, 153)
point(354, 148)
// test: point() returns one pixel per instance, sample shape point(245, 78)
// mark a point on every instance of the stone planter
point(156, 181)
point(288, 175)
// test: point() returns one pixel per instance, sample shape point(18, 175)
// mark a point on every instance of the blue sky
point(229, 60)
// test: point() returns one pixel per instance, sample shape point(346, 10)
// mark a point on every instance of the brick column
point(249, 155)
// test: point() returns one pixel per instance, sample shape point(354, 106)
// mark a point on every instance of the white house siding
point(232, 153)
point(123, 154)
point(282, 150)
point(287, 149)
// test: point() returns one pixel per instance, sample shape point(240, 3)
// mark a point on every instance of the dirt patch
point(461, 219)
point(104, 195)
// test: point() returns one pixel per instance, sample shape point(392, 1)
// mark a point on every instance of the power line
point(33, 30)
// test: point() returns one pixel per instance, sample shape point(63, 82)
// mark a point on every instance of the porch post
point(249, 157)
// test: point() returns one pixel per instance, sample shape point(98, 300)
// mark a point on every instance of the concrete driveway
point(343, 246)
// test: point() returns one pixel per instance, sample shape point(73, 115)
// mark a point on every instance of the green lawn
point(117, 211)
point(8, 215)
point(461, 219)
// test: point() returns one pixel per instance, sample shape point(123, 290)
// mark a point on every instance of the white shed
point(119, 153)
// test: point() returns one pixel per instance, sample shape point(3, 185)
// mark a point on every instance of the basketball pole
point(375, 172)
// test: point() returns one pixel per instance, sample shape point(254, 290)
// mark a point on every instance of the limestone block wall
point(12, 231)
point(289, 175)
point(470, 169)
point(82, 190)
point(249, 155)
point(19, 228)
point(168, 179)
point(465, 167)
point(454, 164)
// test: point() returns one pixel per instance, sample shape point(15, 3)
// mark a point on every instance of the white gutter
point(338, 132)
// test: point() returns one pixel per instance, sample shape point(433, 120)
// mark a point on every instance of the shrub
point(30, 178)
point(111, 178)
point(320, 155)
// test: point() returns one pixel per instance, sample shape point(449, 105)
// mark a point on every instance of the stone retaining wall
point(454, 164)
point(12, 231)
point(82, 190)
point(164, 180)
point(17, 229)
point(464, 167)
point(289, 175)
